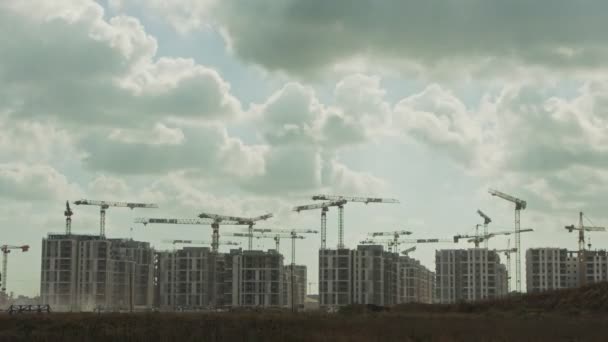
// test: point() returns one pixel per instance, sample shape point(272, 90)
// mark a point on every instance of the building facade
point(84, 273)
point(59, 271)
point(299, 285)
point(253, 279)
point(371, 275)
point(557, 268)
point(375, 276)
point(184, 279)
point(416, 283)
point(469, 275)
point(550, 269)
point(335, 277)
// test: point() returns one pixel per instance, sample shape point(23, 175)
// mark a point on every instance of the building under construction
point(416, 283)
point(469, 275)
point(371, 275)
point(184, 278)
point(84, 273)
point(253, 279)
point(299, 285)
point(557, 268)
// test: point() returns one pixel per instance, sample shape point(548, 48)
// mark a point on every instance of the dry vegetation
point(571, 315)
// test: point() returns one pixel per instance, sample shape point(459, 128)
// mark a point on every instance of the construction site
point(95, 273)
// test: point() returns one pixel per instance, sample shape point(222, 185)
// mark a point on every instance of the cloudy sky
point(244, 107)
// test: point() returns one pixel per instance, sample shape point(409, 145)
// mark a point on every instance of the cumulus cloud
point(104, 186)
point(206, 148)
point(342, 179)
point(438, 118)
point(306, 37)
point(33, 182)
point(69, 62)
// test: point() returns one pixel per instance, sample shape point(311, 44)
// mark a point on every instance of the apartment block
point(416, 283)
point(371, 275)
point(595, 267)
point(299, 285)
point(253, 279)
point(184, 278)
point(83, 273)
point(59, 271)
point(335, 277)
point(550, 269)
point(557, 268)
point(469, 275)
point(374, 276)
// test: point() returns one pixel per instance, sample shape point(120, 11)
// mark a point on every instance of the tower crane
point(199, 242)
point(395, 234)
point(194, 221)
point(279, 232)
point(408, 251)
point(519, 206)
point(365, 200)
point(507, 252)
point(581, 245)
point(276, 237)
point(486, 221)
point(249, 221)
point(393, 243)
point(477, 239)
point(104, 205)
point(6, 249)
point(68, 218)
point(324, 209)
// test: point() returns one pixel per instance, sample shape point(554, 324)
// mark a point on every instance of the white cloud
point(341, 179)
point(493, 37)
point(109, 187)
point(34, 182)
point(69, 62)
point(438, 118)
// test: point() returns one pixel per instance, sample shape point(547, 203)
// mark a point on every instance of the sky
point(241, 107)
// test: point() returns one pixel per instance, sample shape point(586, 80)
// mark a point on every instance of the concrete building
point(550, 269)
point(299, 285)
point(335, 277)
point(557, 268)
point(374, 276)
point(59, 271)
point(253, 279)
point(371, 275)
point(83, 272)
point(416, 283)
point(595, 267)
point(184, 278)
point(469, 275)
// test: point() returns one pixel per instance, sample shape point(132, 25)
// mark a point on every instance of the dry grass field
point(570, 315)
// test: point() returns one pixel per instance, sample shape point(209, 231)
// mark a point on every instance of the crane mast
point(486, 221)
point(324, 209)
point(347, 199)
point(104, 205)
point(581, 246)
point(507, 253)
point(68, 218)
point(217, 219)
point(6, 249)
point(519, 206)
